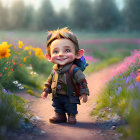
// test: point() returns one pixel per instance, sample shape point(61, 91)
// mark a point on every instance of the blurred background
point(89, 15)
point(108, 30)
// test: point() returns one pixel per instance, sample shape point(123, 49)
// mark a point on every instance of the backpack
point(78, 63)
point(81, 63)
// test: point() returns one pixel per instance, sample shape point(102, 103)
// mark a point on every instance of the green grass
point(12, 110)
point(124, 102)
point(40, 37)
point(102, 35)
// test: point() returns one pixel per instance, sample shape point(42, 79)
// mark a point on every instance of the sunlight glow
point(57, 4)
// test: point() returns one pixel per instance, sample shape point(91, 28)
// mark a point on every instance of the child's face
point(62, 51)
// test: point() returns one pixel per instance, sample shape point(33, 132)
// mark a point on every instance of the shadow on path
point(96, 125)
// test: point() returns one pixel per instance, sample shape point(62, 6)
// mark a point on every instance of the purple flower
point(137, 84)
point(131, 87)
point(125, 78)
point(133, 75)
point(128, 79)
point(5, 91)
point(119, 91)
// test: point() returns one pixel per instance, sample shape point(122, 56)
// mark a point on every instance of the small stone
point(103, 134)
point(120, 135)
point(113, 127)
point(36, 118)
point(42, 132)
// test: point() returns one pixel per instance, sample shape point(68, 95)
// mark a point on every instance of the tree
point(17, 14)
point(63, 19)
point(46, 17)
point(3, 17)
point(29, 17)
point(81, 13)
point(105, 15)
point(131, 14)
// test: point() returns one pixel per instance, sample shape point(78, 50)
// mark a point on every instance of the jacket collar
point(64, 69)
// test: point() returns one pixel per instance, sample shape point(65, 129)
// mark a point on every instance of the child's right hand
point(44, 95)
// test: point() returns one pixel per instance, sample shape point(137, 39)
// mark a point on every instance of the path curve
point(86, 128)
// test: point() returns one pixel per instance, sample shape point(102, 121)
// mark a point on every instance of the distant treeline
point(97, 15)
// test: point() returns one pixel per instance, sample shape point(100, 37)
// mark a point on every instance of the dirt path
point(86, 127)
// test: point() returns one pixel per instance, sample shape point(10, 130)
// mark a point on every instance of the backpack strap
point(54, 83)
point(71, 71)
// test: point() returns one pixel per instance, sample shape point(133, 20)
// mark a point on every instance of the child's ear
point(80, 53)
point(48, 57)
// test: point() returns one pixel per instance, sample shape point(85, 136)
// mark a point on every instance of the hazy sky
point(58, 4)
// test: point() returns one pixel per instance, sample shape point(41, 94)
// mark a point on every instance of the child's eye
point(67, 50)
point(55, 52)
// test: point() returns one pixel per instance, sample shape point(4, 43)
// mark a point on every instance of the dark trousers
point(62, 105)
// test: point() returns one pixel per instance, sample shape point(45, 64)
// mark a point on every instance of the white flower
point(30, 68)
point(19, 85)
point(31, 72)
point(15, 82)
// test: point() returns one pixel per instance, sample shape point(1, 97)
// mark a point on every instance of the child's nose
point(61, 54)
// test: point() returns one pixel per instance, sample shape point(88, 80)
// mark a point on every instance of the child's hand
point(44, 95)
point(85, 98)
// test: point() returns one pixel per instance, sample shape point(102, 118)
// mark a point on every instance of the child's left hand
point(85, 98)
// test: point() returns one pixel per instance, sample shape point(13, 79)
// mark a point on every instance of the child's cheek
point(71, 56)
point(53, 58)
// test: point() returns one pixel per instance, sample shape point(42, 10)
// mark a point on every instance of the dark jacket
point(64, 85)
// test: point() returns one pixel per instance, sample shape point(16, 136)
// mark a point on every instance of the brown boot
point(71, 119)
point(58, 118)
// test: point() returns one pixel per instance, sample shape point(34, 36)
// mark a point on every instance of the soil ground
point(86, 128)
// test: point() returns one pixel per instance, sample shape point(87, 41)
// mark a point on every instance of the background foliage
point(97, 15)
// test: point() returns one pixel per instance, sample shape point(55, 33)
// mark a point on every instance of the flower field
point(19, 69)
point(24, 68)
point(121, 96)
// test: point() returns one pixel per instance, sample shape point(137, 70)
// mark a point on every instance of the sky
point(58, 4)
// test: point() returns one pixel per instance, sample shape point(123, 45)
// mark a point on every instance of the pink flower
point(132, 60)
point(92, 59)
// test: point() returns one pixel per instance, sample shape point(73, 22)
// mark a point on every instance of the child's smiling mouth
point(62, 59)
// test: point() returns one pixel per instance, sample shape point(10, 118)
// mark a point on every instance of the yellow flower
point(5, 44)
point(39, 53)
point(26, 48)
point(20, 44)
point(29, 52)
point(24, 59)
point(4, 50)
point(34, 49)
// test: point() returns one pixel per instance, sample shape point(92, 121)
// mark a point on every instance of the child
point(63, 50)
